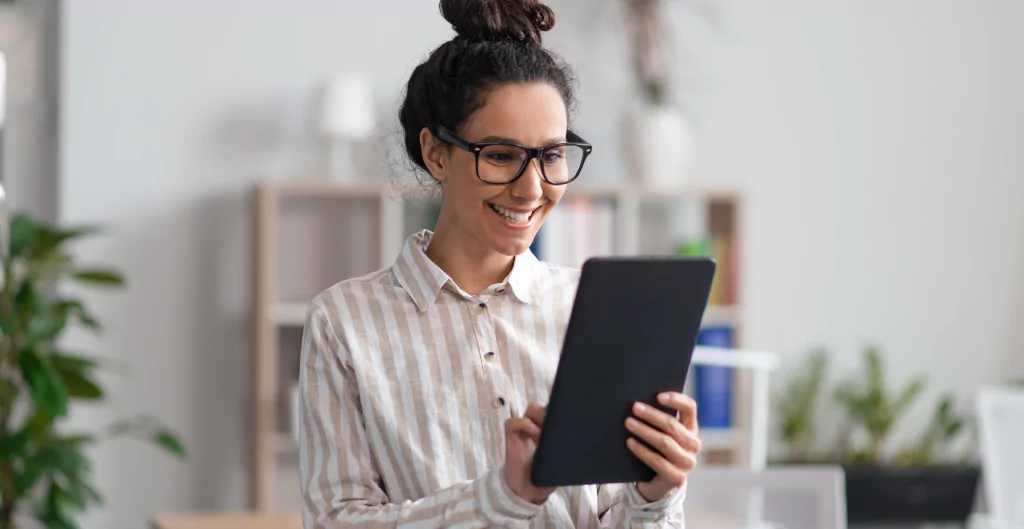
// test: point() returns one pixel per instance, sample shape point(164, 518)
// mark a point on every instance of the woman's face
point(502, 218)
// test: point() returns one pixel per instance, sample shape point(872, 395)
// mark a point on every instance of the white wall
point(878, 144)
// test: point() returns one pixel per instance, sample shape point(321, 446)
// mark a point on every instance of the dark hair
point(498, 43)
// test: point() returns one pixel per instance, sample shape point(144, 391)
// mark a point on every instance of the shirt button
point(499, 402)
point(500, 290)
point(482, 306)
point(491, 356)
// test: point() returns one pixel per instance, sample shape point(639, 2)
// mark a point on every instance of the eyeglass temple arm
point(446, 135)
point(575, 138)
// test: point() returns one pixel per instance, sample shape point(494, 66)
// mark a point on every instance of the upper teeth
point(511, 215)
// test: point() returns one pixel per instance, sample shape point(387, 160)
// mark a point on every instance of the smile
point(516, 218)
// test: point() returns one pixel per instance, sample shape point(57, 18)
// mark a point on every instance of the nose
point(529, 187)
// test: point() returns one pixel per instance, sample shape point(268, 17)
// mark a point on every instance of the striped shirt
point(407, 381)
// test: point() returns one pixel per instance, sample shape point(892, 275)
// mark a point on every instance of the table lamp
point(346, 117)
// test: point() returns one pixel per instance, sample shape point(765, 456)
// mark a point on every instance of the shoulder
point(556, 283)
point(336, 304)
point(559, 275)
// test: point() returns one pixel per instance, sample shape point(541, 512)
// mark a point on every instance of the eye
point(553, 157)
point(499, 157)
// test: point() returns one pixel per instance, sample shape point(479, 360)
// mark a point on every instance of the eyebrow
point(502, 139)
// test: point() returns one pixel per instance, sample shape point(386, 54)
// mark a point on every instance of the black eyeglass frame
point(476, 148)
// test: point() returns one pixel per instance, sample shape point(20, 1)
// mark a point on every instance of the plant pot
point(656, 140)
point(910, 495)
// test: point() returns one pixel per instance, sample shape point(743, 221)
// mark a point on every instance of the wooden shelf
point(615, 191)
point(722, 315)
point(289, 314)
point(327, 188)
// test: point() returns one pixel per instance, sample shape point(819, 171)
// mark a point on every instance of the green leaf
point(169, 442)
point(25, 480)
point(23, 234)
point(7, 393)
point(99, 277)
point(44, 383)
point(49, 238)
point(13, 444)
point(909, 393)
point(38, 426)
point(75, 374)
point(76, 309)
point(76, 363)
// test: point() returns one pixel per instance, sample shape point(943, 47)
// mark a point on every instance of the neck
point(470, 264)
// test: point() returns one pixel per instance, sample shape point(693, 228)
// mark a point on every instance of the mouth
point(514, 218)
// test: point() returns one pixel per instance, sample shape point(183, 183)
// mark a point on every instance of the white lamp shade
point(347, 109)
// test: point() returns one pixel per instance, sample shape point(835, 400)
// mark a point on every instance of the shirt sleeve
point(341, 486)
point(621, 505)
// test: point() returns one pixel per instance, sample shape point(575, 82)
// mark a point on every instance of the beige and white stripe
point(406, 383)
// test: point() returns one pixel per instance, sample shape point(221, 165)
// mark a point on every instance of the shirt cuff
point(500, 505)
point(641, 508)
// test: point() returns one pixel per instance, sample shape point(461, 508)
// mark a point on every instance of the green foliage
point(42, 468)
point(871, 406)
point(944, 427)
point(798, 405)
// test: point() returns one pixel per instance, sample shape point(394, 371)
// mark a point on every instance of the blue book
point(713, 384)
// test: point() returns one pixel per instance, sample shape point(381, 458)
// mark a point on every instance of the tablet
point(631, 334)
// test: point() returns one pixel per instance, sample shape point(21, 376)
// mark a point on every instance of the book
point(713, 385)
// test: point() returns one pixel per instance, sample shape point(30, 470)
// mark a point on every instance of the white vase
point(657, 146)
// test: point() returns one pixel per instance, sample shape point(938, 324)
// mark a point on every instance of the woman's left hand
point(675, 441)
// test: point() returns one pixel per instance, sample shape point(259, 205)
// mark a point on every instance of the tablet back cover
point(630, 336)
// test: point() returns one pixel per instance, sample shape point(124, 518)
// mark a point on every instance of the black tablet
point(631, 334)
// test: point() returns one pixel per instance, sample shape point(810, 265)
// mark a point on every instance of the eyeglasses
point(504, 162)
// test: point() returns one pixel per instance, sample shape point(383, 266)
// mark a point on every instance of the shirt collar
point(424, 280)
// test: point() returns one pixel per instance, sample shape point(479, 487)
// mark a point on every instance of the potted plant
point(918, 484)
point(798, 405)
point(914, 486)
point(45, 470)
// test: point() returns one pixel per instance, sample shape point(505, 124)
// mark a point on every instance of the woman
point(421, 382)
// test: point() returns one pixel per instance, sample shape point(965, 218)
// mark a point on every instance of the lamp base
point(340, 166)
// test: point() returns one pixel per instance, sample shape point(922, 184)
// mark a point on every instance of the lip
point(509, 225)
point(515, 210)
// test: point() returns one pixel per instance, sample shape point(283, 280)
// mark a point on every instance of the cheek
point(554, 194)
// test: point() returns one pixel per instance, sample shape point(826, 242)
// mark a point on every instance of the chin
point(511, 247)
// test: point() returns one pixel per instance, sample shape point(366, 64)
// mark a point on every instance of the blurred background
point(856, 165)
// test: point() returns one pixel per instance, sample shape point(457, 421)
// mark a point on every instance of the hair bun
point(499, 19)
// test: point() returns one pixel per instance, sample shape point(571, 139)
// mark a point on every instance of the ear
point(434, 154)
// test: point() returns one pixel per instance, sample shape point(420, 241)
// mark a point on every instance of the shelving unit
point(312, 233)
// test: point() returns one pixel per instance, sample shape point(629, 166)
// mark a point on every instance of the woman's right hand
point(521, 436)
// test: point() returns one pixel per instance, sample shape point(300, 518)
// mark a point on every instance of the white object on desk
point(804, 497)
point(1001, 431)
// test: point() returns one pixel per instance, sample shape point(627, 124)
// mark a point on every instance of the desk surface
point(227, 521)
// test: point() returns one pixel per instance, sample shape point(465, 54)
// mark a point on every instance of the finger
point(672, 474)
point(664, 443)
point(522, 427)
point(536, 413)
point(686, 406)
point(661, 421)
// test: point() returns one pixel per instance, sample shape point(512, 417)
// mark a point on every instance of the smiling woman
point(421, 382)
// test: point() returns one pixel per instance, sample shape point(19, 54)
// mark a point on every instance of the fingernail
point(631, 423)
point(664, 398)
point(631, 442)
point(640, 407)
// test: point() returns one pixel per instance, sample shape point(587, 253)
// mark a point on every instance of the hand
point(521, 436)
point(675, 441)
